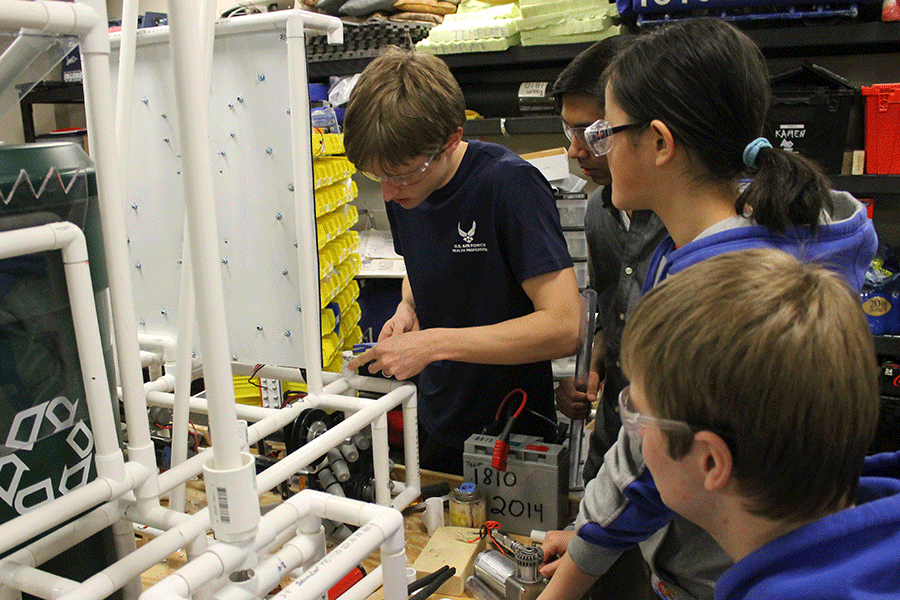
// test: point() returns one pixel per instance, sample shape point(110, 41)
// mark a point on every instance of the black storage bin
point(887, 437)
point(810, 113)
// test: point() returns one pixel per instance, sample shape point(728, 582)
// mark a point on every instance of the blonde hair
point(405, 104)
point(779, 354)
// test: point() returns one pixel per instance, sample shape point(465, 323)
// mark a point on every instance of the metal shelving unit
point(867, 185)
point(776, 41)
point(549, 124)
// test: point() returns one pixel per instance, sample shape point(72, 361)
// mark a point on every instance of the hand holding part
point(404, 320)
point(554, 546)
point(571, 402)
point(400, 356)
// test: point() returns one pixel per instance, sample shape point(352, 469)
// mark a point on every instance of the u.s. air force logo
point(468, 236)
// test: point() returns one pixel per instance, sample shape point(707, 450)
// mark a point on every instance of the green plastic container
point(46, 448)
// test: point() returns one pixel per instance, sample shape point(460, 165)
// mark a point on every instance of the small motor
point(515, 578)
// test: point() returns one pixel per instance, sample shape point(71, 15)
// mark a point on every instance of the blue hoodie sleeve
point(643, 515)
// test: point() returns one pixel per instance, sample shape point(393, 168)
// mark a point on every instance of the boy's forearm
point(406, 295)
point(568, 582)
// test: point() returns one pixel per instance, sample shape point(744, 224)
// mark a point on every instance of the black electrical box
point(810, 113)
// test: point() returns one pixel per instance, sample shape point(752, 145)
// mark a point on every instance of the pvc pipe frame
point(114, 479)
point(379, 526)
point(61, 18)
point(87, 18)
point(364, 412)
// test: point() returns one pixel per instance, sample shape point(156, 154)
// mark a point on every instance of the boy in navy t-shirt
point(490, 294)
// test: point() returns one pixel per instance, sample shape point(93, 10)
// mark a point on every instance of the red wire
point(508, 396)
point(487, 528)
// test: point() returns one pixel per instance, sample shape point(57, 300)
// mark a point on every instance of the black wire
point(253, 374)
point(539, 415)
point(423, 581)
point(432, 587)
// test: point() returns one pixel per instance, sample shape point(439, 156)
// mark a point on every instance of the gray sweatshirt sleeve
point(604, 500)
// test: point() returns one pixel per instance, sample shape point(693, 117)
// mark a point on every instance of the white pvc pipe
point(276, 419)
point(270, 21)
point(102, 584)
point(148, 358)
point(269, 572)
point(410, 454)
point(378, 385)
point(74, 532)
point(125, 85)
point(104, 151)
point(63, 18)
point(193, 466)
point(187, 307)
point(201, 405)
point(147, 530)
point(208, 39)
point(304, 200)
point(34, 581)
point(166, 383)
point(69, 239)
point(221, 559)
point(156, 517)
point(379, 526)
point(52, 544)
point(201, 219)
point(162, 342)
point(58, 511)
point(381, 460)
point(181, 407)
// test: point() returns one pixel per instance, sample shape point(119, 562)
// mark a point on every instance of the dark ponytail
point(787, 190)
point(708, 82)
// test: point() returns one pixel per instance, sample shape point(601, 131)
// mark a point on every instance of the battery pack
point(532, 493)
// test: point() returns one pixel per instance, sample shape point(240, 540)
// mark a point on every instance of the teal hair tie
point(752, 150)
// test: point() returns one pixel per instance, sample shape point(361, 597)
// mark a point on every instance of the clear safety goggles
point(597, 136)
point(411, 178)
point(634, 422)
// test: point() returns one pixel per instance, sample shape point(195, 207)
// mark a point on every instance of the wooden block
point(859, 162)
point(446, 548)
point(847, 163)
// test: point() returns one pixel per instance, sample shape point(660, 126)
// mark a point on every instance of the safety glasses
point(633, 421)
point(411, 178)
point(597, 136)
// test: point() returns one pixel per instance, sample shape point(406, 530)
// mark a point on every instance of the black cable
point(432, 587)
point(422, 582)
point(253, 374)
point(540, 416)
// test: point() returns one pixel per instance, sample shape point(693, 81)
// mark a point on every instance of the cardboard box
point(553, 163)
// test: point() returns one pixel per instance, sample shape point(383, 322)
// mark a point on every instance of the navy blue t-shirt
point(468, 247)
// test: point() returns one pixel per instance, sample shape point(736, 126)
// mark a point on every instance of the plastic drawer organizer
point(339, 263)
point(339, 260)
